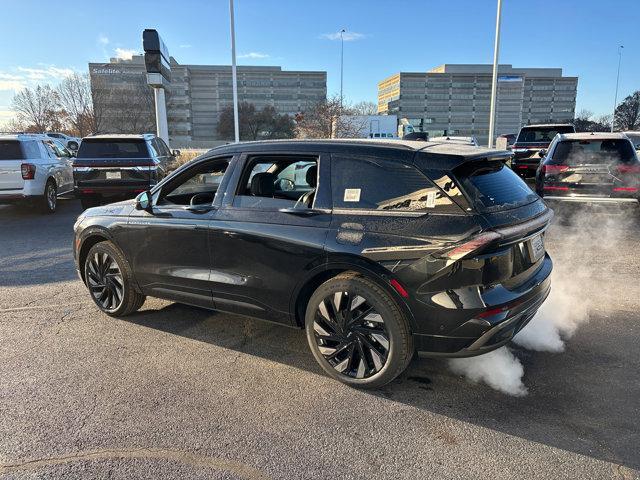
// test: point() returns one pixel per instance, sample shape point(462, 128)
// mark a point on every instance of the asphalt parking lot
point(175, 391)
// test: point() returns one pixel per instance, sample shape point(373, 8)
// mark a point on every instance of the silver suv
point(34, 169)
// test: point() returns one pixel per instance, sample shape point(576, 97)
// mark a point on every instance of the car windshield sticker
point(351, 194)
point(431, 199)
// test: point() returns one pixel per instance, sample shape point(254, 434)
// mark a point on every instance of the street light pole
point(494, 80)
point(341, 63)
point(234, 74)
point(615, 101)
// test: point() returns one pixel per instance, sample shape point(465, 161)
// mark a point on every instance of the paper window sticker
point(351, 194)
point(431, 199)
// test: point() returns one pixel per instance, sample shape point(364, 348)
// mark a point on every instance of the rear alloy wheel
point(50, 200)
point(357, 332)
point(108, 278)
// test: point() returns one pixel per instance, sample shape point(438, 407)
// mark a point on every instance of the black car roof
point(370, 146)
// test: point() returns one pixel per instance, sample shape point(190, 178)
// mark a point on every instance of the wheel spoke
point(105, 281)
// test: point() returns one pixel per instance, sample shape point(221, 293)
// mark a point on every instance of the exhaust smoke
point(583, 245)
point(499, 369)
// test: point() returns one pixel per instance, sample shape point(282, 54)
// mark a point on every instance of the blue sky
point(42, 43)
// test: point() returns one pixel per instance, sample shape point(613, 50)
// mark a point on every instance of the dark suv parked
point(531, 145)
point(119, 166)
point(378, 248)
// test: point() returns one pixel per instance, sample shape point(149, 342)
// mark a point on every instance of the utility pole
point(494, 81)
point(615, 100)
point(234, 75)
point(341, 63)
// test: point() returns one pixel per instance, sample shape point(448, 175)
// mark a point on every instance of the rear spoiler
point(522, 231)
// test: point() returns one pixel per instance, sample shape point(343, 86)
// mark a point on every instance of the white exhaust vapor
point(498, 369)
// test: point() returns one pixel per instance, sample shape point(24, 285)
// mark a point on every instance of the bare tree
point(254, 123)
point(38, 108)
point(74, 93)
point(318, 119)
point(364, 108)
point(627, 114)
point(123, 109)
point(585, 122)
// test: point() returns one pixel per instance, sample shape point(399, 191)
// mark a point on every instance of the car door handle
point(201, 208)
point(302, 212)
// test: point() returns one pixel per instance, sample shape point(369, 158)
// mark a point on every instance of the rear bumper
point(492, 333)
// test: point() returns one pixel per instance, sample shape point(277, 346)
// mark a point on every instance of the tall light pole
point(234, 75)
point(341, 63)
point(615, 101)
point(494, 81)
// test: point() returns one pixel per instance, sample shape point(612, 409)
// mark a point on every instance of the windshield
point(113, 149)
point(10, 150)
point(589, 152)
point(542, 134)
point(493, 187)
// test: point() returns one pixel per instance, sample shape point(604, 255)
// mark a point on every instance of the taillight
point(554, 169)
point(551, 187)
point(470, 246)
point(28, 171)
point(628, 168)
point(625, 189)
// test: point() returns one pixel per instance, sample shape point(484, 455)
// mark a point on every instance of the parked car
point(506, 141)
point(635, 138)
point(385, 248)
point(112, 167)
point(472, 141)
point(531, 140)
point(72, 143)
point(424, 136)
point(34, 169)
point(590, 168)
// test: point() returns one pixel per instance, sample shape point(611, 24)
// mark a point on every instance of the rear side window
point(31, 149)
point(492, 186)
point(367, 183)
point(542, 134)
point(589, 152)
point(113, 149)
point(11, 150)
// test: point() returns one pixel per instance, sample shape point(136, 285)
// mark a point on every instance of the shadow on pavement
point(561, 410)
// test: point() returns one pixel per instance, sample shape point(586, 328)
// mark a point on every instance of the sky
point(41, 44)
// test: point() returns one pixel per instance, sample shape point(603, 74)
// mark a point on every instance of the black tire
point(111, 287)
point(89, 202)
point(49, 200)
point(369, 332)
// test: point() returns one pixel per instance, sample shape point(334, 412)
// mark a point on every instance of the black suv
point(531, 145)
point(378, 248)
point(119, 166)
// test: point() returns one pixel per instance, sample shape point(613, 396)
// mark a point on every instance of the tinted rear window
point(542, 134)
point(113, 149)
point(11, 150)
point(493, 186)
point(589, 152)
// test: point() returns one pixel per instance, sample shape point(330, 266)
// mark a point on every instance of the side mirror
point(144, 201)
point(542, 152)
point(175, 153)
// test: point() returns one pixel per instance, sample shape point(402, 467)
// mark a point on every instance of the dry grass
point(187, 154)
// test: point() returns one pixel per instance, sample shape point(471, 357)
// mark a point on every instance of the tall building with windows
point(455, 99)
point(196, 97)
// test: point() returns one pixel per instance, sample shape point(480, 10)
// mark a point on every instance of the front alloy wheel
point(104, 280)
point(357, 331)
point(109, 279)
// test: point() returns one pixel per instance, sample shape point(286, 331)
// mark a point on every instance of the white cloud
point(254, 55)
point(103, 39)
point(125, 53)
point(185, 45)
point(11, 85)
point(347, 36)
point(49, 73)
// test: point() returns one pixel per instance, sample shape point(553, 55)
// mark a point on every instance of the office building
point(455, 99)
point(196, 96)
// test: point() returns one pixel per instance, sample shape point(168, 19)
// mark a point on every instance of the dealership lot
point(175, 390)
